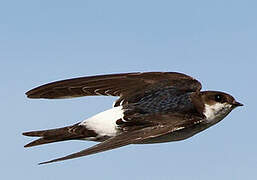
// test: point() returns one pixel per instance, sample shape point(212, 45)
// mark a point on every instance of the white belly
point(104, 124)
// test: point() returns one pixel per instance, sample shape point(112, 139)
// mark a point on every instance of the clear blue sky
point(44, 41)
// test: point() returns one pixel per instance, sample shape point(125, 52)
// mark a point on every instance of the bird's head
point(217, 105)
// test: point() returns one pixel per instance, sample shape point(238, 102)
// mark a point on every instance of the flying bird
point(153, 107)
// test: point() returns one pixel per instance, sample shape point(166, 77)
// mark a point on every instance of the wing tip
point(55, 160)
point(45, 162)
point(30, 94)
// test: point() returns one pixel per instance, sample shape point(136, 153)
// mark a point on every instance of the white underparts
point(104, 123)
point(216, 112)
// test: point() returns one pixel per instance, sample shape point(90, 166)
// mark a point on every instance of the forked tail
point(60, 134)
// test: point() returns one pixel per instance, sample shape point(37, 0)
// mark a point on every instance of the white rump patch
point(104, 123)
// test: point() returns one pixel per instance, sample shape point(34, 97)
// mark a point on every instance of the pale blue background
point(43, 41)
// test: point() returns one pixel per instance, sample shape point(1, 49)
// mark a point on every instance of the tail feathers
point(41, 141)
point(60, 134)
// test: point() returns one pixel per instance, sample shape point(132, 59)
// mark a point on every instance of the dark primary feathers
point(129, 86)
point(164, 124)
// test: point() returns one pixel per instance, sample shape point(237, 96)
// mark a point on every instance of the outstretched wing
point(126, 85)
point(166, 124)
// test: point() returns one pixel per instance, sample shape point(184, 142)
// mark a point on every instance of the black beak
point(236, 104)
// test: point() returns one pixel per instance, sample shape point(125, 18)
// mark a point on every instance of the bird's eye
point(218, 98)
